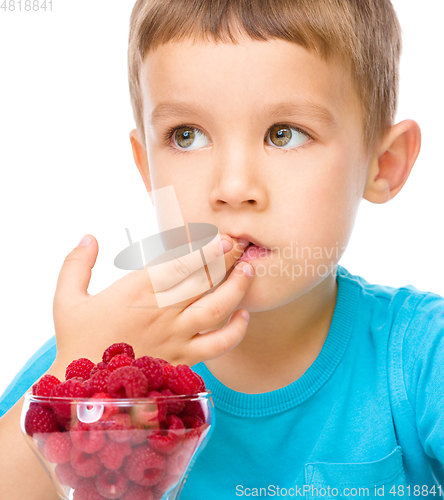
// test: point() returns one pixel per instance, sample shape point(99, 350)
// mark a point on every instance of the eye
point(284, 135)
point(185, 136)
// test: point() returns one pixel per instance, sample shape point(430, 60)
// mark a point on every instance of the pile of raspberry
point(135, 451)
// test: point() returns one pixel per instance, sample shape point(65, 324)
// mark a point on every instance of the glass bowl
point(118, 448)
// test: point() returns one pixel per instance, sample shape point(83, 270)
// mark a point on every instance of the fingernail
point(246, 316)
point(243, 243)
point(248, 270)
point(225, 245)
point(86, 240)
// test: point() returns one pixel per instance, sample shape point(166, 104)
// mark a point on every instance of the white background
point(67, 167)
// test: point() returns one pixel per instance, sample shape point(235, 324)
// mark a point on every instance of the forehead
point(246, 80)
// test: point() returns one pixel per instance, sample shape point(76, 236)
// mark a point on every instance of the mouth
point(252, 241)
point(254, 250)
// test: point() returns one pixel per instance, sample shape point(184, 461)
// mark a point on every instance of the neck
point(285, 340)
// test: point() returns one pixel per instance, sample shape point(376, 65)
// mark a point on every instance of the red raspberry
point(118, 361)
point(101, 395)
point(168, 437)
point(120, 348)
point(98, 367)
point(88, 437)
point(157, 494)
point(167, 369)
point(109, 408)
point(144, 466)
point(86, 490)
point(162, 361)
point(179, 460)
point(58, 448)
point(44, 386)
point(174, 404)
point(191, 421)
point(40, 420)
point(159, 399)
point(80, 368)
point(145, 415)
point(166, 483)
point(202, 383)
point(127, 382)
point(139, 436)
point(72, 388)
point(111, 484)
point(113, 454)
point(183, 380)
point(152, 370)
point(137, 492)
point(98, 382)
point(149, 414)
point(65, 423)
point(193, 408)
point(39, 440)
point(84, 464)
point(194, 428)
point(119, 427)
point(67, 475)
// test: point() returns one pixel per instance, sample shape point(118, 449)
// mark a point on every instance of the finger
point(166, 275)
point(215, 307)
point(215, 343)
point(138, 284)
point(193, 287)
point(218, 270)
point(75, 274)
point(238, 247)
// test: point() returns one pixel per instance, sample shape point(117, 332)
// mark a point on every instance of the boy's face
point(295, 187)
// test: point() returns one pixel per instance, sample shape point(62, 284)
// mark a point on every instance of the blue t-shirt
point(365, 419)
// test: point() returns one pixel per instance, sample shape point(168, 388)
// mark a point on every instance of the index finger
point(165, 275)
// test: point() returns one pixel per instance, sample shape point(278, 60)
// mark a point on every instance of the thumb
point(75, 275)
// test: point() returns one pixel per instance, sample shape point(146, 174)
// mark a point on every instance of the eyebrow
point(303, 108)
point(313, 110)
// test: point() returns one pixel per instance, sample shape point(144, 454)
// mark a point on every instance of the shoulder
point(412, 321)
point(405, 304)
point(33, 369)
point(422, 347)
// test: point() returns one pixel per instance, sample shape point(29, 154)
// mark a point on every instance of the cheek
point(179, 198)
point(324, 206)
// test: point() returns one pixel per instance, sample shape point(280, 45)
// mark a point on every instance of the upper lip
point(246, 236)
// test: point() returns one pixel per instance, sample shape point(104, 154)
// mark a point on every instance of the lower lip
point(253, 252)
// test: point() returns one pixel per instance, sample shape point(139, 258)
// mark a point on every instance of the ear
point(141, 160)
point(392, 163)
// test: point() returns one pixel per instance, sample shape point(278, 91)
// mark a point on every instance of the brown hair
point(364, 35)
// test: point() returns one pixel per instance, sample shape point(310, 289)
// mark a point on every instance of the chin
point(263, 296)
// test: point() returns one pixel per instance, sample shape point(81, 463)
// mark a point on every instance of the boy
point(272, 126)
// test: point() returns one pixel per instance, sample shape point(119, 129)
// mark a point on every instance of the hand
point(128, 311)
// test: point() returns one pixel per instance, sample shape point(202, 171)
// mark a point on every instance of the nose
point(238, 181)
